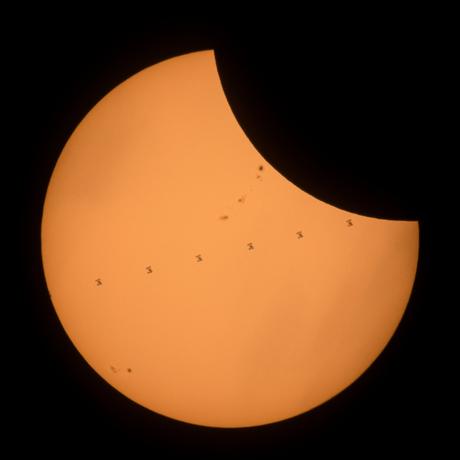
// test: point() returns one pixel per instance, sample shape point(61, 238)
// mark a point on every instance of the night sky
point(352, 116)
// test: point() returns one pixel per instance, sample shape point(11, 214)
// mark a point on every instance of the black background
point(349, 111)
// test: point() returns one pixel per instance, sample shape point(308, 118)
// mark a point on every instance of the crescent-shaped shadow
point(342, 123)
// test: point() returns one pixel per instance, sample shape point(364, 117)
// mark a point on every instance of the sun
point(195, 278)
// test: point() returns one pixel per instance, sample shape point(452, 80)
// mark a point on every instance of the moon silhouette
point(333, 118)
point(195, 278)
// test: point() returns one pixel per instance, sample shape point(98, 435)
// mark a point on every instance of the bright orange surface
point(243, 336)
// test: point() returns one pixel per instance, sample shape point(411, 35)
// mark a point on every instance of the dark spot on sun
point(129, 369)
point(261, 168)
point(223, 217)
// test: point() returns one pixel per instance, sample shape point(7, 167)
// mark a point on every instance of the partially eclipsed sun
point(195, 278)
